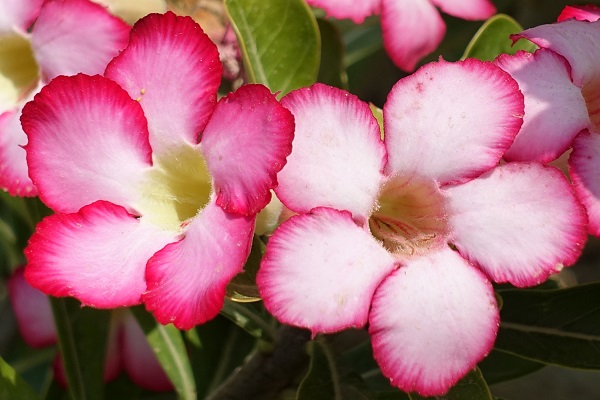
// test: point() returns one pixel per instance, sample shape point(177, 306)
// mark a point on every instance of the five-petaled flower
point(561, 85)
point(411, 29)
point(408, 233)
point(155, 185)
point(69, 36)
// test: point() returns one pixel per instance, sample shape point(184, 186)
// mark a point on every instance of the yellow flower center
point(18, 69)
point(177, 186)
point(410, 217)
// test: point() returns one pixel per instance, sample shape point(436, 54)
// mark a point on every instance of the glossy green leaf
point(499, 366)
point(329, 379)
point(493, 39)
point(331, 69)
point(471, 387)
point(12, 386)
point(169, 347)
point(82, 337)
point(242, 287)
point(552, 326)
point(279, 40)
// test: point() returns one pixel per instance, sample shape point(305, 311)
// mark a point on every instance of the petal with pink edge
point(584, 165)
point(245, 145)
point(357, 11)
point(139, 360)
point(187, 279)
point(173, 69)
point(555, 110)
point(88, 141)
point(98, 255)
point(431, 322)
point(451, 121)
point(32, 311)
point(520, 222)
point(18, 14)
point(467, 9)
point(589, 12)
point(411, 30)
point(14, 176)
point(577, 41)
point(337, 158)
point(76, 36)
point(320, 271)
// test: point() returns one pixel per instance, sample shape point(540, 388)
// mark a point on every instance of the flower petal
point(337, 158)
point(73, 36)
point(431, 322)
point(467, 9)
point(187, 279)
point(139, 360)
point(132, 10)
point(18, 14)
point(577, 41)
point(14, 176)
point(320, 271)
point(451, 121)
point(32, 311)
point(584, 164)
point(589, 12)
point(520, 222)
point(97, 255)
point(248, 128)
point(173, 69)
point(411, 30)
point(555, 110)
point(88, 141)
point(357, 11)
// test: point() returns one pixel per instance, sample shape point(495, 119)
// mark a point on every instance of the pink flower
point(370, 241)
point(155, 187)
point(412, 29)
point(127, 348)
point(561, 85)
point(69, 36)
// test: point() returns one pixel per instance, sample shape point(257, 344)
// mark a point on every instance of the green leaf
point(169, 348)
point(331, 70)
point(493, 39)
point(82, 337)
point(499, 366)
point(242, 287)
point(329, 379)
point(251, 318)
point(12, 386)
point(471, 387)
point(559, 327)
point(279, 40)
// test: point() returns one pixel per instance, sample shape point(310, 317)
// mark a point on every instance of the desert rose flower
point(155, 187)
point(561, 85)
point(69, 36)
point(408, 233)
point(411, 29)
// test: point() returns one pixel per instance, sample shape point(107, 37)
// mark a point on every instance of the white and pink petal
point(14, 176)
point(172, 68)
point(87, 141)
point(245, 145)
point(451, 121)
point(412, 29)
point(432, 321)
point(467, 9)
point(519, 222)
point(97, 255)
point(337, 158)
point(186, 280)
point(357, 11)
point(320, 271)
point(76, 36)
point(18, 15)
point(584, 164)
point(555, 110)
point(32, 311)
point(588, 12)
